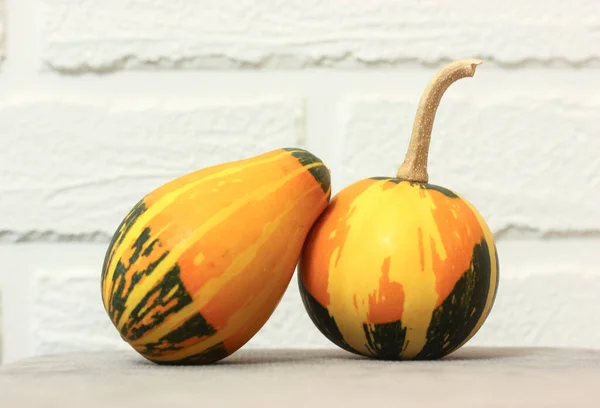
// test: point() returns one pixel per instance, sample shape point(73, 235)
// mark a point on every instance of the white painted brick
point(554, 310)
point(77, 166)
point(1, 324)
point(2, 29)
point(112, 34)
point(547, 297)
point(289, 325)
point(68, 314)
point(524, 160)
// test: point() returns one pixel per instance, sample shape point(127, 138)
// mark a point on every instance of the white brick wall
point(1, 325)
point(102, 101)
point(96, 158)
point(2, 24)
point(109, 35)
point(548, 297)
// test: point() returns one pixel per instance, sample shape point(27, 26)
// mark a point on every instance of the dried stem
point(414, 167)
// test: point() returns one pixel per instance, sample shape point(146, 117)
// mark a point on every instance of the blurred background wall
point(102, 101)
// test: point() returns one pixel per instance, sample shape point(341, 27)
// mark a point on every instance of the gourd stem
point(414, 167)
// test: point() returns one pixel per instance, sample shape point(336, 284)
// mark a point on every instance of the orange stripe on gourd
point(387, 303)
point(458, 239)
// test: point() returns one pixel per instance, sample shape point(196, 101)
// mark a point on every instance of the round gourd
point(198, 266)
point(397, 268)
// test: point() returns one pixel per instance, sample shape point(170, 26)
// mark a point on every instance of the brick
point(81, 35)
point(290, 326)
point(2, 29)
point(1, 325)
point(77, 166)
point(550, 311)
point(527, 161)
point(547, 297)
point(68, 314)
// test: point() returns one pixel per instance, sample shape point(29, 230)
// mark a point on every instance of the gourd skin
point(199, 265)
point(395, 269)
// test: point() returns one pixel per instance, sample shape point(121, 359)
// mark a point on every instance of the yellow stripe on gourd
point(160, 205)
point(198, 259)
point(175, 253)
point(109, 285)
point(144, 309)
point(408, 210)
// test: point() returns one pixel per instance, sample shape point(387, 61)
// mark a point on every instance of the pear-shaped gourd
point(198, 265)
point(397, 268)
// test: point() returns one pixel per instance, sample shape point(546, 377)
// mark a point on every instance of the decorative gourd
point(397, 268)
point(198, 266)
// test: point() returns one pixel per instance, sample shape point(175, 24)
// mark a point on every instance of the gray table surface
point(471, 377)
